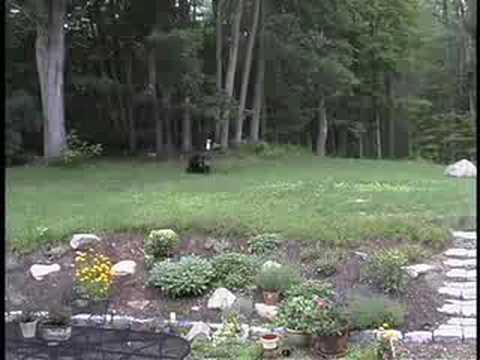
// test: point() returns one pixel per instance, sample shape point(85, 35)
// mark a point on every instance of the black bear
point(198, 164)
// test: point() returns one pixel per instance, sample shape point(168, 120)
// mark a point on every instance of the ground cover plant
point(234, 270)
point(339, 201)
point(375, 311)
point(190, 276)
point(385, 270)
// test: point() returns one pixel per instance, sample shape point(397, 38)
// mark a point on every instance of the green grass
point(299, 196)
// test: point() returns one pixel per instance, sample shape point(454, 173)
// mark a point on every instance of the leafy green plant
point(362, 353)
point(231, 327)
point(295, 313)
point(78, 150)
point(311, 289)
point(160, 244)
point(263, 243)
point(232, 348)
point(384, 270)
point(373, 312)
point(327, 261)
point(234, 270)
point(329, 321)
point(58, 316)
point(190, 276)
point(277, 278)
point(414, 252)
point(28, 315)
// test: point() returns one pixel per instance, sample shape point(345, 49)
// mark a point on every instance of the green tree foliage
point(350, 68)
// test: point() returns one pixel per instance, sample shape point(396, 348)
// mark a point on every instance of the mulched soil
point(421, 299)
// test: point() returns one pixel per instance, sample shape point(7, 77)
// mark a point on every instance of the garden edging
point(254, 332)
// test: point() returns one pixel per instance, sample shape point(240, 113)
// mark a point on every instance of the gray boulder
point(82, 241)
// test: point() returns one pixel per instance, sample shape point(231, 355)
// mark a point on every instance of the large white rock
point(448, 333)
point(418, 337)
point(125, 267)
point(416, 270)
point(198, 329)
point(221, 299)
point(462, 168)
point(40, 271)
point(81, 241)
point(465, 235)
point(271, 264)
point(265, 311)
point(461, 253)
point(457, 263)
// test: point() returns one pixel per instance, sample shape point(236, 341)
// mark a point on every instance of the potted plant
point(294, 315)
point(57, 326)
point(28, 323)
point(275, 280)
point(269, 341)
point(329, 327)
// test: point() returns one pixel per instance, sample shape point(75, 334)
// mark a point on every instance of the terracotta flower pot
point(269, 341)
point(271, 298)
point(29, 329)
point(330, 345)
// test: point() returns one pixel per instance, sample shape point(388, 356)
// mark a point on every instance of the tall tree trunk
point(391, 115)
point(168, 123)
point(260, 78)
point(152, 79)
point(186, 128)
point(219, 59)
point(246, 75)
point(57, 141)
point(122, 107)
point(263, 118)
point(231, 70)
point(41, 54)
point(360, 145)
point(132, 135)
point(322, 128)
point(378, 132)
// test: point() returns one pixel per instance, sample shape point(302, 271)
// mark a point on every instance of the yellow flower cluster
point(93, 274)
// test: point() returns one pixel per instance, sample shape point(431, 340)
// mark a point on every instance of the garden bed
point(132, 296)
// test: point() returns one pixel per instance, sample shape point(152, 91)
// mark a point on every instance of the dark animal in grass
point(198, 164)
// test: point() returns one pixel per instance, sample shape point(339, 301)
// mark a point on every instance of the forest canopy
point(348, 78)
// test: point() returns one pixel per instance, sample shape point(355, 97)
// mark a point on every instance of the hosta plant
point(190, 276)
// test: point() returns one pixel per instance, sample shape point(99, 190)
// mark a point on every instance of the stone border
point(453, 333)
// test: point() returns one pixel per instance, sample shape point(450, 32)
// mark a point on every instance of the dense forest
point(349, 78)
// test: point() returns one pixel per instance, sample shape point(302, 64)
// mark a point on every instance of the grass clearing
point(339, 201)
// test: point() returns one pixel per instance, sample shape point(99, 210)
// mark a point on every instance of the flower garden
point(259, 296)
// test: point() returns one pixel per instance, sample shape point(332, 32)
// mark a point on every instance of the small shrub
point(311, 289)
point(384, 270)
point(295, 312)
point(263, 243)
point(329, 321)
point(232, 348)
point(371, 313)
point(277, 278)
point(58, 316)
point(362, 353)
point(234, 271)
point(190, 276)
point(414, 252)
point(160, 244)
point(327, 262)
point(78, 150)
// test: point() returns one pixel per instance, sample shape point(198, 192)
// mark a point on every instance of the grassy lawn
point(343, 201)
